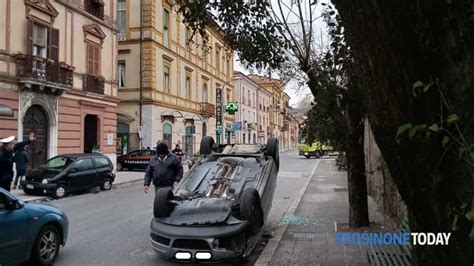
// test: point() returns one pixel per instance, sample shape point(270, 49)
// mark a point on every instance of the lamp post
point(219, 111)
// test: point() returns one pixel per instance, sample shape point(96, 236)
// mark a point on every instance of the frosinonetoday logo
point(391, 238)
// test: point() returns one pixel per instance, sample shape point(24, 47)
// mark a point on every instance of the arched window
point(204, 129)
point(168, 134)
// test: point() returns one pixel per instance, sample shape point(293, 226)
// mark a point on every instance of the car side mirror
point(72, 170)
point(13, 204)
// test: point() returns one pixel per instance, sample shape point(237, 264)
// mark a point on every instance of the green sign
point(231, 108)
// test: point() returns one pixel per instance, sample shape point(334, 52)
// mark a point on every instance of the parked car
point(217, 210)
point(137, 159)
point(30, 231)
point(66, 173)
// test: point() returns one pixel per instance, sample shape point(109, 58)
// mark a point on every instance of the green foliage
point(245, 25)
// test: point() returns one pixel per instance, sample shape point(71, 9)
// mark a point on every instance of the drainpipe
point(141, 70)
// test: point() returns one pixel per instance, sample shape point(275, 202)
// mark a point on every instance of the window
point(229, 66)
point(39, 40)
point(187, 36)
point(166, 78)
point(121, 18)
point(95, 8)
point(83, 165)
point(204, 129)
point(101, 162)
point(187, 88)
point(58, 162)
point(204, 93)
point(93, 58)
point(248, 98)
point(121, 73)
point(168, 134)
point(243, 137)
point(43, 41)
point(166, 25)
point(218, 60)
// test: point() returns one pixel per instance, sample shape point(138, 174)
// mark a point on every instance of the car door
point(130, 159)
point(13, 232)
point(145, 156)
point(81, 175)
point(103, 169)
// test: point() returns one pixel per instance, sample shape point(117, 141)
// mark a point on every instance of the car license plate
point(30, 186)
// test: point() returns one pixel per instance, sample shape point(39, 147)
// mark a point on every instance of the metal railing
point(43, 69)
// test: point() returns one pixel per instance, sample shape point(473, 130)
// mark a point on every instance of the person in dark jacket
point(178, 151)
point(164, 169)
point(9, 146)
point(21, 159)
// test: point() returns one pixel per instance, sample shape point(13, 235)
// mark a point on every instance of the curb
point(272, 245)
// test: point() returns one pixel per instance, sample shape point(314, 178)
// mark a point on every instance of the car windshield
point(57, 163)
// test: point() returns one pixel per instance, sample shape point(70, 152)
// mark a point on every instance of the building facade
point(168, 78)
point(277, 108)
point(253, 114)
point(58, 75)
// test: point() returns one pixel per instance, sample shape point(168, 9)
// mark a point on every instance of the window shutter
point(90, 59)
point(30, 37)
point(54, 44)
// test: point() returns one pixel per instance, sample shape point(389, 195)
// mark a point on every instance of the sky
point(296, 93)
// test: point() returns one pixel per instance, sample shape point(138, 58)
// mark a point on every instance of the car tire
point(206, 145)
point(307, 156)
point(48, 237)
point(106, 185)
point(272, 150)
point(60, 192)
point(161, 206)
point(119, 167)
point(251, 210)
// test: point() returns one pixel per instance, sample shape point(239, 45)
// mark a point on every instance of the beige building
point(253, 114)
point(58, 74)
point(172, 94)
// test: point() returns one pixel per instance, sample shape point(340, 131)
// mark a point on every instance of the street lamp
point(219, 113)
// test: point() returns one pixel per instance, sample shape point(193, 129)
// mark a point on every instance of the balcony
point(93, 83)
point(44, 74)
point(95, 8)
point(208, 109)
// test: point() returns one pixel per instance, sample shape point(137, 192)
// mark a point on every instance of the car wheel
point(119, 167)
point(106, 185)
point(251, 210)
point(272, 150)
point(161, 205)
point(307, 156)
point(46, 247)
point(60, 192)
point(206, 145)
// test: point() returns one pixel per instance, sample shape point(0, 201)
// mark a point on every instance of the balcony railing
point(43, 70)
point(208, 109)
point(93, 83)
point(95, 8)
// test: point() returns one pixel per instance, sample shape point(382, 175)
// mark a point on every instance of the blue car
point(30, 231)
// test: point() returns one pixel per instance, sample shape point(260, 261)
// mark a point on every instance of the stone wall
point(380, 185)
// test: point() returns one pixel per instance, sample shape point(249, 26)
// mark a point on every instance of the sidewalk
point(306, 234)
point(121, 178)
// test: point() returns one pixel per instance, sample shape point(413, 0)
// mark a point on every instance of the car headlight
point(23, 178)
point(305, 153)
point(45, 181)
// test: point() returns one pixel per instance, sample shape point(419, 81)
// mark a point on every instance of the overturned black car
point(217, 210)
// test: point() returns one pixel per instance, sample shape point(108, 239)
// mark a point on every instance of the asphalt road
point(112, 227)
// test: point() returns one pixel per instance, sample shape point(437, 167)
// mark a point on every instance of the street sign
point(237, 126)
point(231, 108)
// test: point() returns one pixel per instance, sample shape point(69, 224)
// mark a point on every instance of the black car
point(66, 173)
point(217, 210)
point(137, 159)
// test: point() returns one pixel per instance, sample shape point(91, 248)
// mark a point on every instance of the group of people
point(13, 152)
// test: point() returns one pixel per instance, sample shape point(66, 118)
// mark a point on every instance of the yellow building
point(58, 75)
point(279, 102)
point(168, 81)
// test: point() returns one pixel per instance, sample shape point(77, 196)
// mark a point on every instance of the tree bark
point(395, 44)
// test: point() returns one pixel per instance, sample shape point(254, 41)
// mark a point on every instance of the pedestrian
point(164, 169)
point(96, 149)
point(9, 146)
point(21, 159)
point(178, 151)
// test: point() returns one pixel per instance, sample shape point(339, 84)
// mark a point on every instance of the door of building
point(35, 120)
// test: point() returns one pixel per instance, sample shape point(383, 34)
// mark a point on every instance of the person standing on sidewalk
point(21, 159)
point(9, 146)
point(164, 169)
